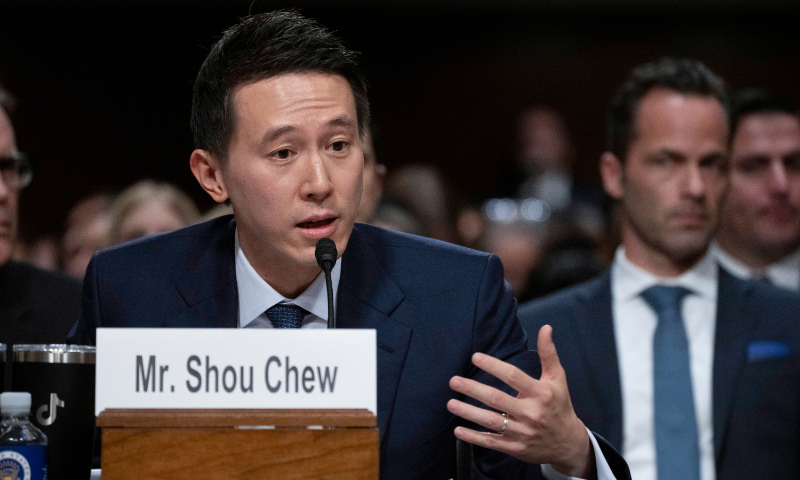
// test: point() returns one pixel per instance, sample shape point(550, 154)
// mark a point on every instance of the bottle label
point(23, 462)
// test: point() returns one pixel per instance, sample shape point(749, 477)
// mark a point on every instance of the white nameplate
point(235, 368)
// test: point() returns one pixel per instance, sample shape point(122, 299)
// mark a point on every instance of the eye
point(283, 154)
point(338, 146)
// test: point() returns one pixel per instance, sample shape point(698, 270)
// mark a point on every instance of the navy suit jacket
point(756, 379)
point(432, 304)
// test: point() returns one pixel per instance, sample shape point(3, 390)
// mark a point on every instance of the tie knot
point(663, 298)
point(286, 316)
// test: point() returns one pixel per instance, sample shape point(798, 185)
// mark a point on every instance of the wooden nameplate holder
point(194, 444)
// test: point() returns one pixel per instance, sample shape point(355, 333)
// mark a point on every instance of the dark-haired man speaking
point(279, 114)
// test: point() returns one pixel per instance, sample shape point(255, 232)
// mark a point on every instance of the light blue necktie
point(677, 445)
point(281, 316)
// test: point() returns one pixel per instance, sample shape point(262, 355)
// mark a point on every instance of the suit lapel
point(736, 319)
point(208, 287)
point(367, 298)
point(594, 324)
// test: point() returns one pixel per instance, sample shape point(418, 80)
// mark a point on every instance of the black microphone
point(326, 258)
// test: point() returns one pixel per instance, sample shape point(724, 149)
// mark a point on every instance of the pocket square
point(763, 350)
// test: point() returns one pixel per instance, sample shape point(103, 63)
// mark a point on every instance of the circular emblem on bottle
point(14, 466)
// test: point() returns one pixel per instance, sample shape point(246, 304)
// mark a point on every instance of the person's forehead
point(8, 144)
point(288, 91)
point(664, 112)
point(765, 130)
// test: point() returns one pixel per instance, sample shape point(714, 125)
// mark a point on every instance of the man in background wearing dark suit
point(688, 370)
point(36, 306)
point(759, 231)
point(279, 114)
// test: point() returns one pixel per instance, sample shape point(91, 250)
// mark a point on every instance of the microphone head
point(326, 253)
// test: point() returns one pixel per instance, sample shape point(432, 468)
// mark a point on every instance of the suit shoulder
point(556, 307)
point(177, 246)
point(405, 241)
point(410, 258)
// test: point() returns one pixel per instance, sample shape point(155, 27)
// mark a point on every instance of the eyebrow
point(342, 121)
point(275, 133)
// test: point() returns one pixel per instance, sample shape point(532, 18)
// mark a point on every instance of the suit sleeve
point(83, 332)
point(498, 333)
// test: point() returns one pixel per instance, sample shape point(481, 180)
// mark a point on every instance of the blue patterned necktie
point(677, 444)
point(286, 315)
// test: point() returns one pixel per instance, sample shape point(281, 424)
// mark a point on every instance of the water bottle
point(23, 447)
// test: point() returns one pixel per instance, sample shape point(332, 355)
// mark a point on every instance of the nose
point(695, 182)
point(317, 184)
point(778, 179)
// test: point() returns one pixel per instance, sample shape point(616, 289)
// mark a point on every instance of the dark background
point(104, 88)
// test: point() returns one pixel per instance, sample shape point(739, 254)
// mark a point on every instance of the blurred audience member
point(393, 214)
point(423, 191)
point(36, 306)
point(44, 253)
point(374, 177)
point(86, 232)
point(542, 165)
point(759, 234)
point(148, 208)
point(519, 246)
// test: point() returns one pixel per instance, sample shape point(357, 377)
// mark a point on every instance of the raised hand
point(541, 425)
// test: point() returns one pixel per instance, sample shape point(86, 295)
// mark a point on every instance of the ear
point(208, 171)
point(611, 169)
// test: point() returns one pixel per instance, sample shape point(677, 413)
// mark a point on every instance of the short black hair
point(685, 76)
point(748, 101)
point(259, 47)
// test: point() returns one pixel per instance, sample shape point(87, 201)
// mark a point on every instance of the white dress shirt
point(784, 273)
point(634, 326)
point(256, 296)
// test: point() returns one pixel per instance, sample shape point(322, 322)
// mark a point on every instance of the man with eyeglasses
point(36, 306)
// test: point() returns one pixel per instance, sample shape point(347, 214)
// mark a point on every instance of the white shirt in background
point(784, 273)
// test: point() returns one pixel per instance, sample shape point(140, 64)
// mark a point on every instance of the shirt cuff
point(603, 470)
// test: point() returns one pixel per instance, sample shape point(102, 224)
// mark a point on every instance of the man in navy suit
point(279, 114)
point(690, 372)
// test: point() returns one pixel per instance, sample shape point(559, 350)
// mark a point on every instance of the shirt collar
point(785, 272)
point(256, 295)
point(629, 281)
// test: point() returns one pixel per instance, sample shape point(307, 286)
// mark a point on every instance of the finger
point(492, 441)
point(483, 393)
point(551, 365)
point(505, 372)
point(486, 418)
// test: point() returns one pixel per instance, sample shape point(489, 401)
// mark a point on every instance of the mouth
point(318, 227)
point(316, 224)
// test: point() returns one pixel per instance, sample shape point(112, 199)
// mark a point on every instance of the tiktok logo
point(51, 419)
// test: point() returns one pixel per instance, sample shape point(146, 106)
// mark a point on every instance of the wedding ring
point(505, 424)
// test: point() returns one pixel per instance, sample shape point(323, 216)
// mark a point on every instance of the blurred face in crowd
point(153, 216)
point(761, 214)
point(545, 144)
point(293, 173)
point(672, 181)
point(9, 195)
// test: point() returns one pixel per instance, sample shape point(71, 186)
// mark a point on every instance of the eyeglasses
point(15, 171)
